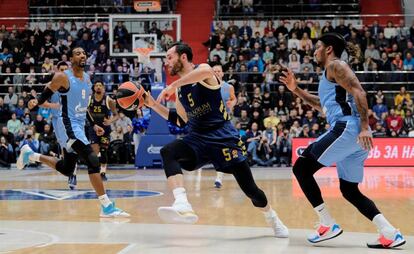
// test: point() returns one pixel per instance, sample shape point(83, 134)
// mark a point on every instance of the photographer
point(47, 141)
point(284, 148)
point(264, 153)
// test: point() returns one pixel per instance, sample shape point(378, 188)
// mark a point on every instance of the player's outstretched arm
point(177, 116)
point(59, 81)
point(203, 73)
point(288, 78)
point(114, 110)
point(346, 78)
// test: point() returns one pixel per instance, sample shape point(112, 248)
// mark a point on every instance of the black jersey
point(204, 106)
point(99, 110)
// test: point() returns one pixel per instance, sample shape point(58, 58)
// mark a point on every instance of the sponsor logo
point(61, 194)
point(154, 149)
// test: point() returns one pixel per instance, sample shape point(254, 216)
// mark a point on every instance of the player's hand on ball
point(149, 101)
point(99, 130)
point(288, 78)
point(365, 140)
point(166, 94)
point(32, 103)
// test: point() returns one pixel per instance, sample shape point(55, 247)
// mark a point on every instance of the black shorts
point(101, 140)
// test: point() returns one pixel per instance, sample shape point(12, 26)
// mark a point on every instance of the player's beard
point(178, 66)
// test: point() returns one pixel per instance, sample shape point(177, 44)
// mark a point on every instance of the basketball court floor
point(38, 214)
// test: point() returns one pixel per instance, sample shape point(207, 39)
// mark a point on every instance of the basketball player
point(59, 128)
point(212, 138)
point(74, 88)
point(347, 142)
point(230, 100)
point(102, 110)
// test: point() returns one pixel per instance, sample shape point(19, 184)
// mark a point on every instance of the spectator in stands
point(62, 33)
point(379, 131)
point(408, 63)
point(122, 122)
point(305, 131)
point(120, 77)
point(342, 29)
point(379, 109)
point(47, 141)
point(409, 48)
point(394, 122)
point(402, 97)
point(372, 52)
point(6, 153)
point(327, 28)
point(19, 109)
point(384, 63)
point(284, 148)
point(372, 120)
point(14, 124)
point(375, 29)
point(11, 98)
point(108, 79)
point(316, 31)
point(390, 32)
point(245, 29)
point(397, 64)
point(272, 120)
point(270, 40)
point(408, 124)
point(369, 64)
point(244, 119)
point(219, 52)
point(86, 43)
point(305, 78)
point(39, 124)
point(4, 112)
point(305, 41)
point(309, 119)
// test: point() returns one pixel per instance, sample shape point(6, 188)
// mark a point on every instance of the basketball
point(130, 95)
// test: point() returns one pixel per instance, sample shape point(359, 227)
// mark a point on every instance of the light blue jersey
point(75, 105)
point(335, 101)
point(57, 122)
point(339, 144)
point(225, 93)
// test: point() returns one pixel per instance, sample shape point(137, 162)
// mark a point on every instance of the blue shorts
point(339, 145)
point(222, 147)
point(60, 131)
point(101, 140)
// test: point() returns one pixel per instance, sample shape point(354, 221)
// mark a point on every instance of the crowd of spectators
point(31, 51)
point(268, 116)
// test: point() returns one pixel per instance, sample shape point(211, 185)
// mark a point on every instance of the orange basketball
point(130, 95)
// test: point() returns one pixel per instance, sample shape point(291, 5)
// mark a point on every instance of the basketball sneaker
point(23, 159)
point(111, 211)
point(280, 230)
point(324, 233)
point(217, 183)
point(181, 213)
point(72, 182)
point(395, 239)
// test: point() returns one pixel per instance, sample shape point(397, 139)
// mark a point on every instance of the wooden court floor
point(38, 214)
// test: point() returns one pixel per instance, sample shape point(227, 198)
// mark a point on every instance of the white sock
point(383, 225)
point(219, 176)
point(76, 170)
point(103, 168)
point(180, 195)
point(270, 214)
point(104, 200)
point(34, 157)
point(323, 213)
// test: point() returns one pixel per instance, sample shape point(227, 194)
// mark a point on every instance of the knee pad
point(305, 166)
point(93, 163)
point(66, 166)
point(104, 155)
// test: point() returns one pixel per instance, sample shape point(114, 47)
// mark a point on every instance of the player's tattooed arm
point(288, 78)
point(345, 77)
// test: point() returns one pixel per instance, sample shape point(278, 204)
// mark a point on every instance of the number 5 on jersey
point(190, 99)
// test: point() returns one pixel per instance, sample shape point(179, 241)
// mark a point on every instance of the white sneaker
point(324, 233)
point(280, 230)
point(23, 159)
point(383, 242)
point(111, 211)
point(181, 213)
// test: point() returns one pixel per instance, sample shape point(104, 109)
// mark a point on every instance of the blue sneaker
point(72, 182)
point(23, 159)
point(112, 211)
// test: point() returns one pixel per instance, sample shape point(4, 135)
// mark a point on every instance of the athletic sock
point(383, 225)
point(105, 201)
point(180, 195)
point(34, 157)
point(103, 168)
point(324, 216)
point(270, 214)
point(219, 176)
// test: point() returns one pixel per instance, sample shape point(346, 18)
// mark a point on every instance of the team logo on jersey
point(62, 194)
